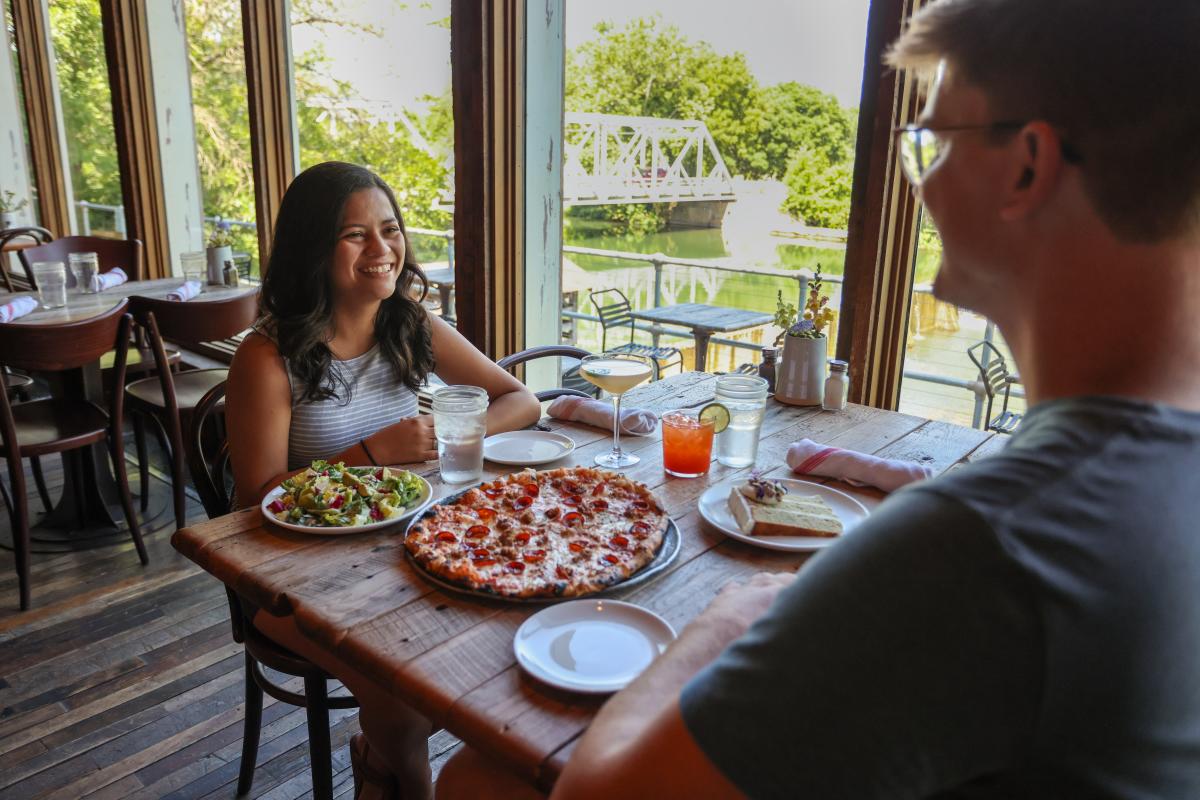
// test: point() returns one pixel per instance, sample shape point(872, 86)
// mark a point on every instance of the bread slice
point(795, 516)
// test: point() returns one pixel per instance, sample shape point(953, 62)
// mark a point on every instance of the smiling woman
point(333, 367)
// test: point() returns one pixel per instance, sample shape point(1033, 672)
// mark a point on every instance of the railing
point(118, 212)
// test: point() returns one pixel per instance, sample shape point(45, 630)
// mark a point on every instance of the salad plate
point(335, 500)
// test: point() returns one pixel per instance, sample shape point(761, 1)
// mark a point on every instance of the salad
point(336, 496)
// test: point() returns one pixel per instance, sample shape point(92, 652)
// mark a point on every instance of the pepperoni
point(572, 500)
point(599, 490)
point(523, 537)
point(572, 487)
point(494, 492)
point(485, 513)
point(478, 531)
point(576, 547)
point(619, 541)
point(572, 518)
point(562, 573)
point(515, 566)
point(640, 505)
point(532, 489)
point(534, 556)
point(640, 529)
point(599, 505)
point(446, 536)
point(483, 562)
point(552, 512)
point(610, 558)
point(524, 501)
point(481, 553)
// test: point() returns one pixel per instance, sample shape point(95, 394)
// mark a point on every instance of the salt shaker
point(766, 369)
point(231, 274)
point(837, 386)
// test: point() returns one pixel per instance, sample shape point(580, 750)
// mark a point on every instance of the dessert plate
point(527, 448)
point(714, 507)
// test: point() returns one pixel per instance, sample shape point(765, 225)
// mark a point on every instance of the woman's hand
point(404, 442)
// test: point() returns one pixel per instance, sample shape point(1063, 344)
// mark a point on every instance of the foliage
point(220, 236)
point(8, 202)
point(817, 313)
point(818, 192)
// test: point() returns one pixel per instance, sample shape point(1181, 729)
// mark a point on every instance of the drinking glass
point(195, 267)
point(745, 396)
point(51, 280)
point(687, 444)
point(84, 268)
point(616, 373)
point(460, 423)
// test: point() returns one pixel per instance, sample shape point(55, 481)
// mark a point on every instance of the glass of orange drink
point(687, 444)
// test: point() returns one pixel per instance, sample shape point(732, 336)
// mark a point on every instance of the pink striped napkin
point(186, 291)
point(806, 457)
point(114, 277)
point(600, 414)
point(17, 308)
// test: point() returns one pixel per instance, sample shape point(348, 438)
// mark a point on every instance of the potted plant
point(9, 208)
point(219, 249)
point(800, 380)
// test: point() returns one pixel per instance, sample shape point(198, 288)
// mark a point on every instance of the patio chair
point(996, 380)
point(572, 357)
point(612, 306)
point(208, 462)
point(12, 234)
point(44, 427)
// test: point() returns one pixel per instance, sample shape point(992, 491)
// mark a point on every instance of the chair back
point(12, 234)
point(993, 369)
point(612, 306)
point(208, 453)
point(111, 253)
point(61, 346)
point(546, 351)
point(197, 320)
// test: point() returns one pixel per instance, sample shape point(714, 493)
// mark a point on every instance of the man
point(1028, 626)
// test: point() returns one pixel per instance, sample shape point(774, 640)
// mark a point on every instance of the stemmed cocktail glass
point(616, 373)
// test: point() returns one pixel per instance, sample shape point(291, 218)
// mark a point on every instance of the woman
point(332, 369)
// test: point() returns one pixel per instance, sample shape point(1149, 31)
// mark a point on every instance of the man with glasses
point(1027, 626)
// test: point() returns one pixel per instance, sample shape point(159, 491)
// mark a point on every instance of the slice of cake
point(784, 515)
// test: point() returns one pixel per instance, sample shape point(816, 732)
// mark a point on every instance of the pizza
point(560, 533)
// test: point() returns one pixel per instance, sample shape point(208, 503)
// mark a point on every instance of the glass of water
point(460, 422)
point(51, 280)
point(84, 268)
point(195, 267)
point(746, 398)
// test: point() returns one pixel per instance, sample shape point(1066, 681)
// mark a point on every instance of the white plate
point(592, 646)
point(527, 448)
point(714, 507)
point(422, 500)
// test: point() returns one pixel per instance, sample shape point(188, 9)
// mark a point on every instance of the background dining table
point(89, 508)
point(704, 320)
point(358, 607)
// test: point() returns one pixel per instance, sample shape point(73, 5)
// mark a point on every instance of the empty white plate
point(592, 646)
point(527, 448)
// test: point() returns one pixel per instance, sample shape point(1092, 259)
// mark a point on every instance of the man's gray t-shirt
point(1026, 626)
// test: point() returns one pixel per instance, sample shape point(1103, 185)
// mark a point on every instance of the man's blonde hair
point(1120, 79)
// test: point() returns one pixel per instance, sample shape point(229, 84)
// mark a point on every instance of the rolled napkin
point(106, 280)
point(17, 308)
point(185, 292)
point(806, 457)
point(594, 412)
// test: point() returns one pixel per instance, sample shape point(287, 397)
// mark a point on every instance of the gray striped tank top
point(328, 427)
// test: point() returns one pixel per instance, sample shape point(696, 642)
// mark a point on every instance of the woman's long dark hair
point(297, 295)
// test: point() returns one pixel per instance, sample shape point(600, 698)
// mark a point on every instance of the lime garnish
point(717, 414)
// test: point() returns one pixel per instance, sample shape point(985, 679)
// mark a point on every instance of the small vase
point(800, 375)
point(8, 219)
point(215, 272)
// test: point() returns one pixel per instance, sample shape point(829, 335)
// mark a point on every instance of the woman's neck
point(353, 331)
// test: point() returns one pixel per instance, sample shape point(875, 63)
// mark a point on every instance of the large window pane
point(29, 213)
point(762, 189)
point(78, 41)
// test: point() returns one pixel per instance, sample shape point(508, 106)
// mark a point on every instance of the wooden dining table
point(704, 320)
point(358, 607)
point(89, 508)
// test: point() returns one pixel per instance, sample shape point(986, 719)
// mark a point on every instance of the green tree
point(798, 116)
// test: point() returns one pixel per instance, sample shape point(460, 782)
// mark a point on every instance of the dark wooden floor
point(123, 681)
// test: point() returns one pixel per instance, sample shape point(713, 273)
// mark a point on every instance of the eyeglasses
point(921, 147)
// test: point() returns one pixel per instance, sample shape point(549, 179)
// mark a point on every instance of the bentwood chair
point(208, 461)
point(170, 398)
point(19, 388)
point(614, 310)
point(997, 382)
point(61, 424)
point(573, 356)
point(38, 235)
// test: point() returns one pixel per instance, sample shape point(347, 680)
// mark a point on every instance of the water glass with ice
point(746, 398)
point(195, 267)
point(84, 269)
point(51, 280)
point(460, 421)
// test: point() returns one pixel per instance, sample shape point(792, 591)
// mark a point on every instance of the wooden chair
point(12, 234)
point(169, 398)
point(19, 388)
point(612, 306)
point(57, 425)
point(208, 461)
point(996, 380)
point(551, 351)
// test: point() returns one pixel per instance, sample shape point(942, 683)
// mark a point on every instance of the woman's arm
point(258, 414)
point(512, 406)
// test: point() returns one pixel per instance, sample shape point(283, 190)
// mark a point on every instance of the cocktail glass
point(687, 444)
point(616, 373)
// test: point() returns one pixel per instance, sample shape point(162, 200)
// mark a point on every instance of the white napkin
point(185, 292)
point(594, 412)
point(806, 457)
point(114, 277)
point(17, 308)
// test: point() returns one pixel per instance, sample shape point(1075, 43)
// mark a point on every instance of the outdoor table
point(704, 321)
point(442, 279)
point(356, 606)
point(90, 507)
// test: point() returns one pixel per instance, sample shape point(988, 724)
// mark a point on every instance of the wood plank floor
point(123, 681)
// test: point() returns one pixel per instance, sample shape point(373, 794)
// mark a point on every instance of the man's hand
point(738, 605)
point(407, 441)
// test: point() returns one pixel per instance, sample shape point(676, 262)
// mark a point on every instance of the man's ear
point(1033, 174)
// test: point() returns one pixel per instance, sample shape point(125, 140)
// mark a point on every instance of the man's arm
point(641, 728)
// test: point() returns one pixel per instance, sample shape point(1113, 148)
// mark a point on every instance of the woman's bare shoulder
point(259, 356)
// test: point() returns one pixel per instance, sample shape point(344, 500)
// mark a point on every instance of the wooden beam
point(274, 146)
point(135, 123)
point(48, 152)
